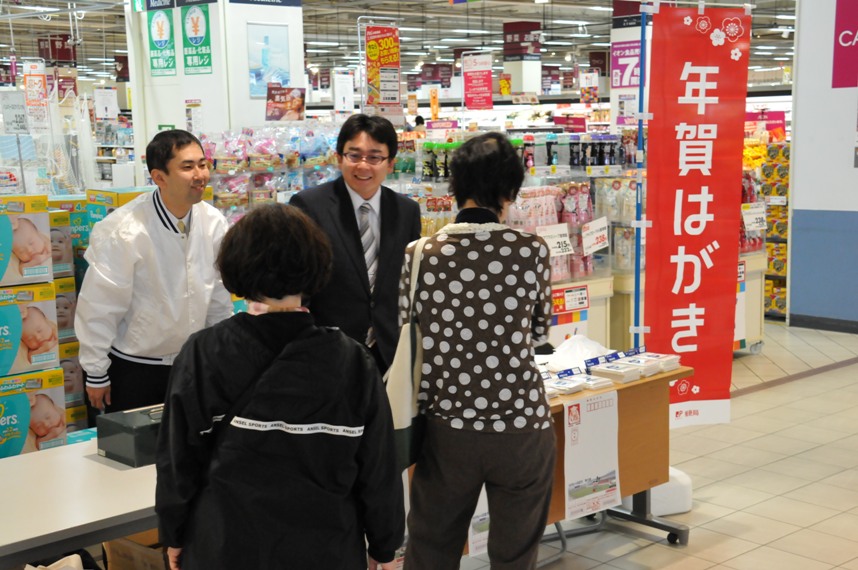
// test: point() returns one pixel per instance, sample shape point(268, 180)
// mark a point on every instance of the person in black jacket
point(276, 446)
point(363, 294)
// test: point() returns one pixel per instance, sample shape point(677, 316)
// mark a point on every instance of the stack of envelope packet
point(668, 362)
point(617, 371)
point(647, 366)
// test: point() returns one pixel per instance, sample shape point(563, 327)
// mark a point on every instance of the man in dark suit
point(369, 226)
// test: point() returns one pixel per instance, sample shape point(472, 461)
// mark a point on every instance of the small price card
point(594, 236)
point(557, 238)
point(754, 216)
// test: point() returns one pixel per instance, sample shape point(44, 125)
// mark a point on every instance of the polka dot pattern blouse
point(483, 299)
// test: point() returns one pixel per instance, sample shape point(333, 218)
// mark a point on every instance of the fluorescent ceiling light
point(439, 47)
point(320, 43)
point(407, 39)
point(784, 29)
point(557, 43)
point(541, 1)
point(601, 44)
point(763, 53)
point(782, 58)
point(573, 22)
point(404, 29)
point(37, 8)
point(764, 48)
point(456, 40)
point(99, 59)
point(424, 53)
point(444, 59)
point(578, 35)
point(317, 50)
point(601, 8)
point(86, 79)
point(120, 51)
point(466, 31)
point(488, 48)
point(785, 17)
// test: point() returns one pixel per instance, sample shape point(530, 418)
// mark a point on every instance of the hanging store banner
point(36, 95)
point(382, 69)
point(845, 65)
point(771, 122)
point(162, 45)
point(57, 48)
point(522, 41)
point(626, 64)
point(697, 101)
point(477, 70)
point(196, 40)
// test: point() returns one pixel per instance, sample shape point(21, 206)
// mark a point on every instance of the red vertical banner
point(382, 68)
point(694, 177)
point(845, 66)
point(477, 74)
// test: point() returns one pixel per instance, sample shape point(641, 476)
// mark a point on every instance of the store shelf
point(776, 276)
point(114, 145)
point(776, 240)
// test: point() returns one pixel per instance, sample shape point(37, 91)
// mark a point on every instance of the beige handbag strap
point(415, 270)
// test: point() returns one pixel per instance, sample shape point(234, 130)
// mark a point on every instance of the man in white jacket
point(151, 280)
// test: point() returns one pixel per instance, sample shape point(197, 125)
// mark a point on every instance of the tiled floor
point(777, 488)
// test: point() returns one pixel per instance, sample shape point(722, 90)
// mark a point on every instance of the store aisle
point(777, 488)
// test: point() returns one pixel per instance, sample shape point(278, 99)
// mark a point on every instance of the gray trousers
point(518, 471)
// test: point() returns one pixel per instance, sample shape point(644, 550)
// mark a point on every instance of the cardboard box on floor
point(136, 552)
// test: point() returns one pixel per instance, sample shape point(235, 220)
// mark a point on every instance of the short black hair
point(274, 251)
point(418, 120)
point(486, 169)
point(378, 128)
point(161, 149)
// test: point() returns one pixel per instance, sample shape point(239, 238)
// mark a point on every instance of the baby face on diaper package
point(29, 336)
point(32, 414)
point(25, 240)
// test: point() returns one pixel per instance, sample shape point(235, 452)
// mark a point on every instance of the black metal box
point(130, 437)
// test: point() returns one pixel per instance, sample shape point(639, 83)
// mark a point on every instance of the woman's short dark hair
point(161, 148)
point(378, 128)
point(274, 251)
point(486, 169)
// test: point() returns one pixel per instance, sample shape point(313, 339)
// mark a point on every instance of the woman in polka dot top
point(483, 301)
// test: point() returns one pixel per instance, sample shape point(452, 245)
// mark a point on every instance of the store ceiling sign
point(845, 71)
point(268, 2)
point(183, 3)
point(697, 101)
point(522, 41)
point(154, 5)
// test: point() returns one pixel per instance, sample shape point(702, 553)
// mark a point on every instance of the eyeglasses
point(373, 159)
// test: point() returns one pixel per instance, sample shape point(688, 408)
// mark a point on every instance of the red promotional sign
point(477, 73)
point(697, 99)
point(845, 71)
point(772, 122)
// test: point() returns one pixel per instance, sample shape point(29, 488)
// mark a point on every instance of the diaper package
point(100, 203)
point(25, 242)
point(32, 412)
point(73, 380)
point(66, 305)
point(62, 254)
point(29, 336)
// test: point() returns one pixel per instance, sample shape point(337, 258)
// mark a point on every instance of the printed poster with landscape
point(590, 455)
point(695, 160)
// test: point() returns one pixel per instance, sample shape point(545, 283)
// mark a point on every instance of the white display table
point(66, 498)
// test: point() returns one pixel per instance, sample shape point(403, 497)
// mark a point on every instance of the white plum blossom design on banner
point(731, 29)
point(717, 37)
